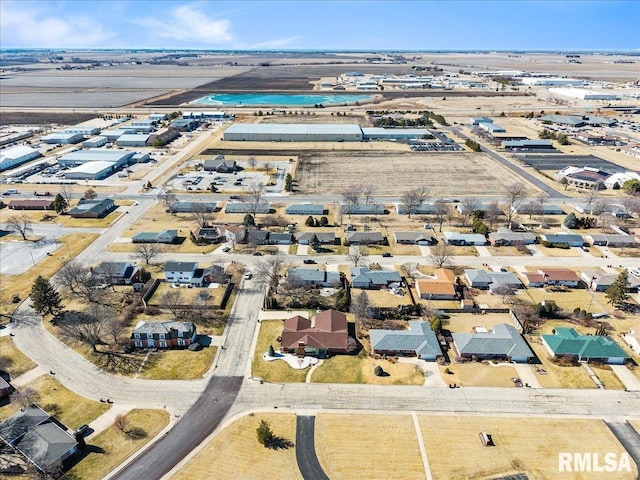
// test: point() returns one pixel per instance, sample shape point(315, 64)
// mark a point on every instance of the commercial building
point(158, 117)
point(15, 156)
point(184, 124)
point(83, 130)
point(80, 157)
point(95, 142)
point(491, 127)
point(35, 204)
point(278, 132)
point(133, 140)
point(91, 171)
point(583, 94)
point(527, 145)
point(62, 138)
point(552, 82)
point(377, 133)
point(93, 208)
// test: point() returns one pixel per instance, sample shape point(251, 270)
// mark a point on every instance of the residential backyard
point(234, 452)
point(12, 359)
point(522, 445)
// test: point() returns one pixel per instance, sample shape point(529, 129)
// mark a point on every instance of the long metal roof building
point(284, 132)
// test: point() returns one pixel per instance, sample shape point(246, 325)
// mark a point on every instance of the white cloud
point(190, 26)
point(23, 24)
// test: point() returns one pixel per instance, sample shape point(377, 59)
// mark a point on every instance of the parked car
point(248, 275)
point(387, 254)
point(234, 197)
point(257, 254)
point(309, 261)
point(82, 429)
point(226, 249)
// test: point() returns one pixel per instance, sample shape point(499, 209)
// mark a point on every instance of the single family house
point(324, 334)
point(584, 348)
point(418, 341)
point(169, 334)
point(503, 342)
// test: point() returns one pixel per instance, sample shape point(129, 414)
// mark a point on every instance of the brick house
point(169, 334)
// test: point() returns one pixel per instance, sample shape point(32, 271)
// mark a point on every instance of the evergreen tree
point(60, 204)
point(288, 183)
point(571, 221)
point(309, 221)
point(45, 298)
point(314, 242)
point(249, 221)
point(618, 293)
point(264, 433)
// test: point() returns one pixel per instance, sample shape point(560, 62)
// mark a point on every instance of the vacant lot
point(235, 452)
point(392, 173)
point(475, 374)
point(522, 445)
point(178, 364)
point(390, 451)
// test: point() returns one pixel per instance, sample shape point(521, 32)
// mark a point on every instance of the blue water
point(259, 99)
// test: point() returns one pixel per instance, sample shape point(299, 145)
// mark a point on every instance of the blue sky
point(319, 24)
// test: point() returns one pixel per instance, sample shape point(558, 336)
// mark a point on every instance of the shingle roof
point(567, 341)
point(162, 327)
point(476, 276)
point(329, 331)
point(364, 236)
point(419, 338)
point(374, 277)
point(180, 266)
point(323, 237)
point(503, 340)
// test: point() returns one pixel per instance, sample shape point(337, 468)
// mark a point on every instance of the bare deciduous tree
point(600, 209)
point(440, 211)
point(515, 195)
point(469, 206)
point(90, 194)
point(86, 327)
point(361, 308)
point(122, 423)
point(351, 195)
point(77, 280)
point(252, 162)
point(253, 197)
point(21, 224)
point(538, 204)
point(631, 205)
point(172, 301)
point(168, 198)
point(65, 191)
point(414, 198)
point(492, 213)
point(357, 254)
point(369, 191)
point(147, 251)
point(268, 272)
point(26, 397)
point(441, 255)
point(409, 269)
point(200, 213)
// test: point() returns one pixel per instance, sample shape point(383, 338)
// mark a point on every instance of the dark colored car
point(309, 261)
point(82, 429)
point(387, 254)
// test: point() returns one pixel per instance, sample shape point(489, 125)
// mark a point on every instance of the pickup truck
point(42, 194)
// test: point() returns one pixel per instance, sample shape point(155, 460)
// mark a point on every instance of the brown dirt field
point(330, 173)
point(42, 118)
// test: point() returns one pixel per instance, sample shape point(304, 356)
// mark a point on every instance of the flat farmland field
point(445, 174)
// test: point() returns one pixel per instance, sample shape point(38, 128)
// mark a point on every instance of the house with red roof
point(324, 334)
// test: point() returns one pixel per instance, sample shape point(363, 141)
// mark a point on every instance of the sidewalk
point(28, 377)
point(630, 381)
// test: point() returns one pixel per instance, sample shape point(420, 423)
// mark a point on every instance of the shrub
point(378, 372)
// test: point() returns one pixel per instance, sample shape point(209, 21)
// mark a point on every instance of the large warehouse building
point(281, 132)
point(91, 170)
point(119, 157)
point(377, 133)
point(552, 82)
point(583, 94)
point(14, 156)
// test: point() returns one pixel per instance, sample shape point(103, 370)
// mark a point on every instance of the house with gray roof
point(503, 280)
point(165, 236)
point(115, 273)
point(314, 276)
point(503, 342)
point(362, 277)
point(414, 238)
point(506, 237)
point(569, 239)
point(257, 237)
point(93, 208)
point(423, 209)
point(584, 348)
point(457, 238)
point(597, 280)
point(364, 238)
point(613, 240)
point(536, 209)
point(169, 334)
point(305, 209)
point(34, 433)
point(364, 209)
point(418, 341)
point(208, 235)
point(477, 278)
point(189, 207)
point(242, 207)
point(325, 238)
point(180, 272)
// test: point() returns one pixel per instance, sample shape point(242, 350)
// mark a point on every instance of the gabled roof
point(476, 276)
point(374, 277)
point(329, 332)
point(110, 268)
point(162, 327)
point(364, 236)
point(503, 340)
point(419, 338)
point(323, 237)
point(95, 206)
point(566, 341)
point(560, 274)
point(412, 237)
point(314, 275)
point(180, 266)
point(331, 321)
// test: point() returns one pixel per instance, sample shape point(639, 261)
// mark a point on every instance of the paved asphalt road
point(629, 438)
point(189, 432)
point(306, 457)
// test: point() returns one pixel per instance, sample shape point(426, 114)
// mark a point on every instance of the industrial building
point(527, 145)
point(552, 82)
point(258, 132)
point(79, 157)
point(113, 135)
point(204, 115)
point(18, 155)
point(82, 130)
point(491, 127)
point(583, 94)
point(96, 170)
point(95, 142)
point(158, 117)
point(133, 140)
point(184, 124)
point(376, 133)
point(62, 138)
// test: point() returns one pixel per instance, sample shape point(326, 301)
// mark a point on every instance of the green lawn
point(178, 364)
point(13, 360)
point(111, 447)
point(277, 370)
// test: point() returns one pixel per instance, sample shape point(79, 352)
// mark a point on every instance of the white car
point(226, 249)
point(248, 275)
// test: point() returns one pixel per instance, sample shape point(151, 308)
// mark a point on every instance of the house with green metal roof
point(585, 348)
point(418, 341)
